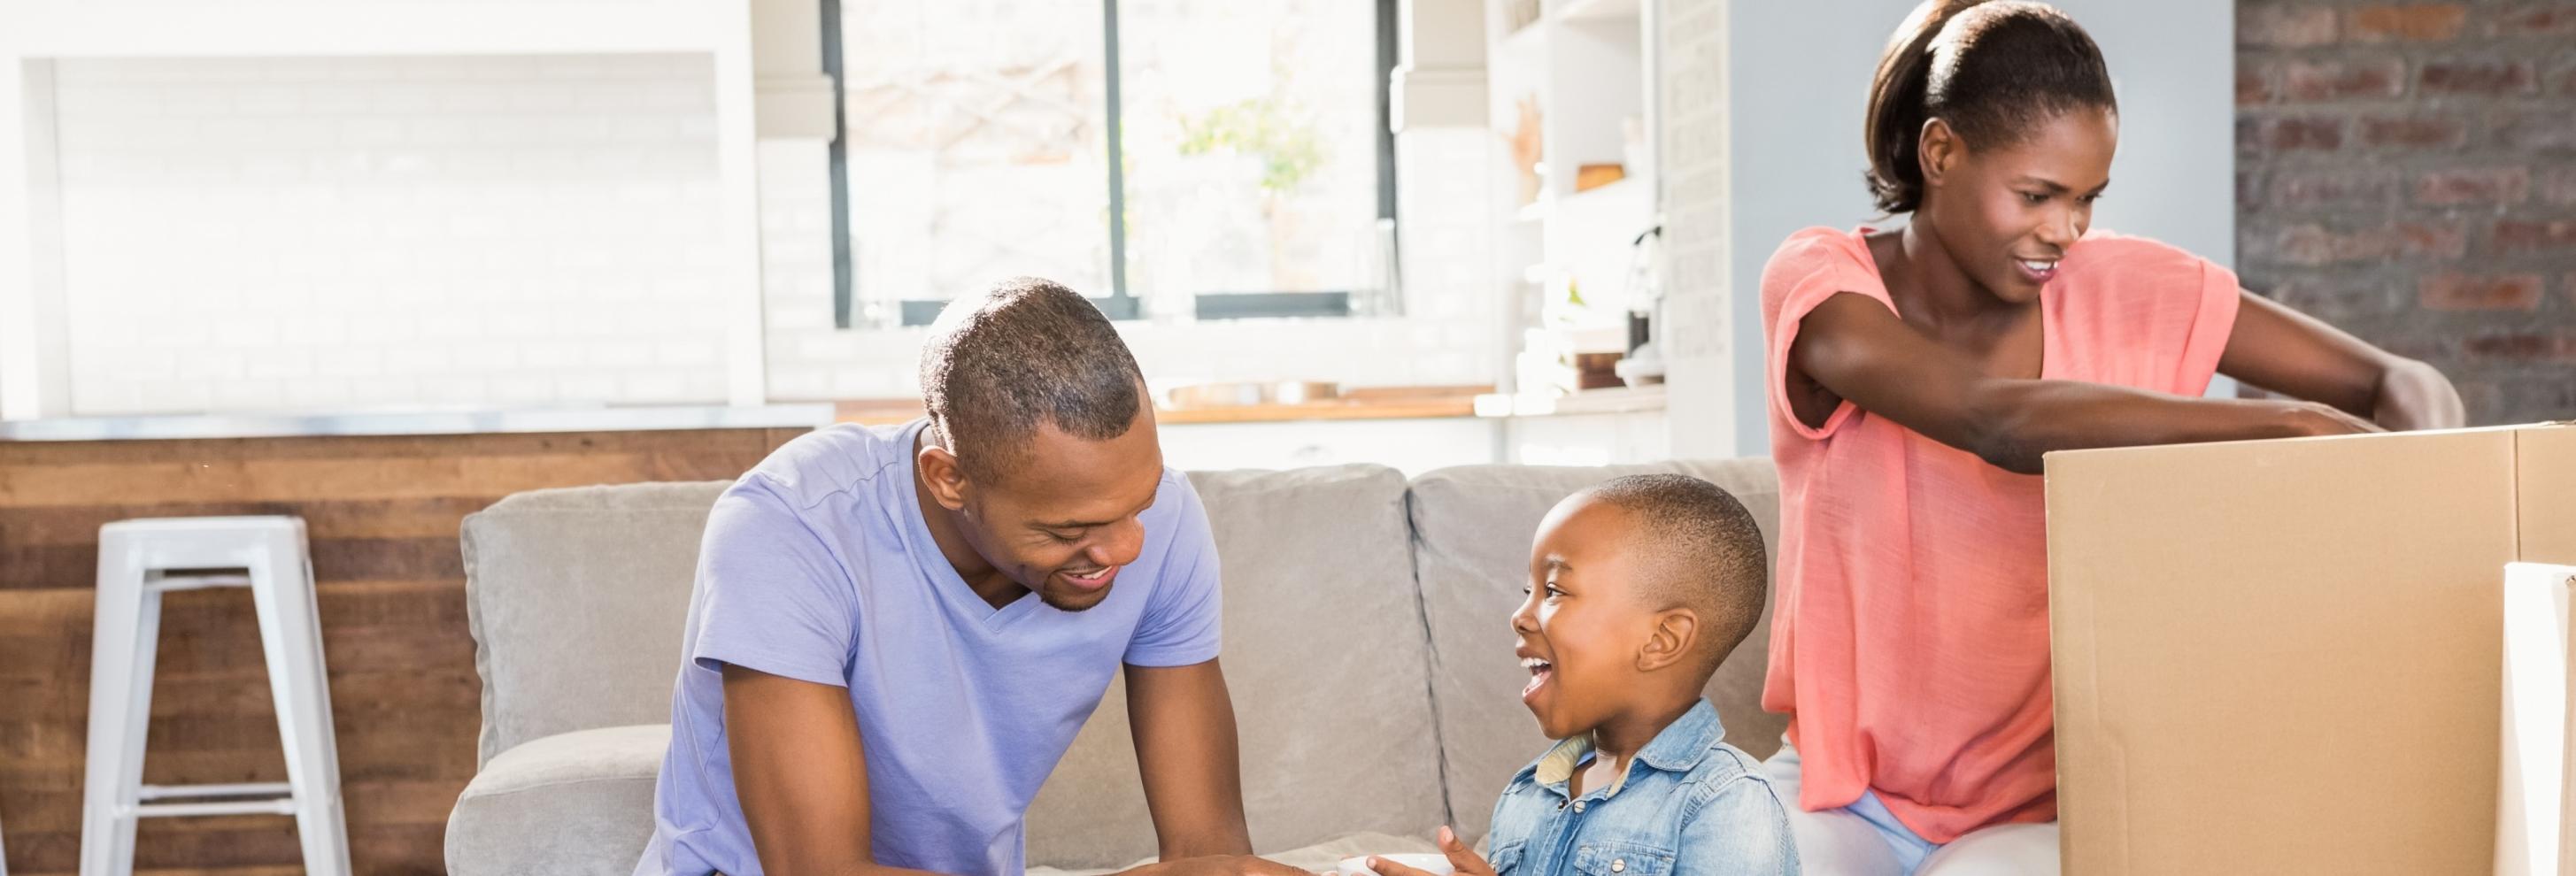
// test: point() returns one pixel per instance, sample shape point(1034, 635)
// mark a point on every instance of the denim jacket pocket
point(1506, 860)
point(1622, 859)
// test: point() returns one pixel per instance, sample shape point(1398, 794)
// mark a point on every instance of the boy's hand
point(1460, 859)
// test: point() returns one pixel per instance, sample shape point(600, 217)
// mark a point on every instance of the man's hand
point(1217, 865)
point(1464, 862)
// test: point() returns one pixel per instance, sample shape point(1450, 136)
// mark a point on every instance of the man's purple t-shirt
point(817, 566)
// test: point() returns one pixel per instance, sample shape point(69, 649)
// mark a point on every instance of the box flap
point(2531, 782)
point(2546, 486)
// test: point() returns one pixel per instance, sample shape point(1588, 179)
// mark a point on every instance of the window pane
point(976, 146)
point(1251, 146)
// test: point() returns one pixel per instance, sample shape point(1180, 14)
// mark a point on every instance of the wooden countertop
point(1366, 403)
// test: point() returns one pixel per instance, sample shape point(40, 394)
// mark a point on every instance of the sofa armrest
point(572, 804)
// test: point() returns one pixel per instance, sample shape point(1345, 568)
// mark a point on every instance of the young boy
point(1639, 588)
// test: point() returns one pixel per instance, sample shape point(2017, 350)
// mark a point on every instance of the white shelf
point(1606, 193)
point(1586, 63)
point(1595, 10)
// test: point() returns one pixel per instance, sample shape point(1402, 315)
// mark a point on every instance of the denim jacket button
point(1619, 865)
point(1578, 807)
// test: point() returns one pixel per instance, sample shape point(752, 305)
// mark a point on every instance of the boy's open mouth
point(1540, 671)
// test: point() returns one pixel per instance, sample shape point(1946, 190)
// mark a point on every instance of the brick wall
point(265, 233)
point(2408, 172)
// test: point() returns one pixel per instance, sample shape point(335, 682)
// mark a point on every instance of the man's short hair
point(1023, 352)
point(1700, 548)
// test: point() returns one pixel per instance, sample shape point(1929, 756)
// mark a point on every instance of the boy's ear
point(1675, 635)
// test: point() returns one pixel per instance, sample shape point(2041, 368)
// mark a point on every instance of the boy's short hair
point(1701, 549)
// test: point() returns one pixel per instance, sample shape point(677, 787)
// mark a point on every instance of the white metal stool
point(138, 560)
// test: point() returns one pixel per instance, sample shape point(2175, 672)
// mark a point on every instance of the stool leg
point(124, 640)
point(290, 631)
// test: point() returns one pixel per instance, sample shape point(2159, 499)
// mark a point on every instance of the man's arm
point(1184, 728)
point(1185, 747)
point(800, 774)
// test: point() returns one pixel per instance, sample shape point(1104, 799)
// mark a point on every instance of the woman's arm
point(2288, 352)
point(1852, 348)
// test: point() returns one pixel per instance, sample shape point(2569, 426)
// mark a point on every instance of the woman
point(1916, 376)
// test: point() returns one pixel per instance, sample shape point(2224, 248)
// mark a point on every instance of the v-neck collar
point(2049, 354)
point(918, 542)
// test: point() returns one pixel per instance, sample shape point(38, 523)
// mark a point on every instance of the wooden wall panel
point(382, 515)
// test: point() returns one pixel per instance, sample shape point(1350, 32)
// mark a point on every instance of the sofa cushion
point(1472, 529)
point(1326, 662)
point(576, 598)
point(572, 804)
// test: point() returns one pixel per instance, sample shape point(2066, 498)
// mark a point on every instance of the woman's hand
point(2317, 419)
point(2412, 395)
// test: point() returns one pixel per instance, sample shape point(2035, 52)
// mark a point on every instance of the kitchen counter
point(1371, 403)
point(1414, 429)
point(1616, 400)
point(461, 421)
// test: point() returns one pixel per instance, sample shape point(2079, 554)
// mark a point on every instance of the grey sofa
point(1367, 648)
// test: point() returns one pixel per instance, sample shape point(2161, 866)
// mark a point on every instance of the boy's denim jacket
point(1688, 804)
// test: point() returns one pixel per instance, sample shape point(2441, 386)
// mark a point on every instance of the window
point(1173, 157)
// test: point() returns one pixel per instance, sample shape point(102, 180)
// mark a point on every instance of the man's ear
point(945, 478)
point(1938, 149)
point(1675, 635)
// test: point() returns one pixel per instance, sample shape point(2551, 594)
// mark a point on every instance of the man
point(897, 631)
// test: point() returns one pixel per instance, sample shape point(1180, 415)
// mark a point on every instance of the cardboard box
point(2534, 821)
point(2281, 656)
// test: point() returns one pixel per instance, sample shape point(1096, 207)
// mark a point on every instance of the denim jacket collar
point(1677, 749)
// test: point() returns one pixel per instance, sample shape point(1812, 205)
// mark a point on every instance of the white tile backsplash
point(328, 232)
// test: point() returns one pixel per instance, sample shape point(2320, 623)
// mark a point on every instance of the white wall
point(266, 233)
point(1801, 79)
